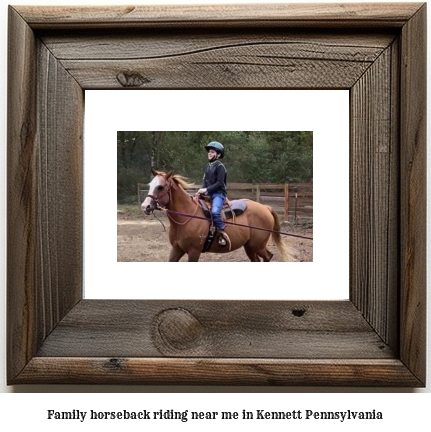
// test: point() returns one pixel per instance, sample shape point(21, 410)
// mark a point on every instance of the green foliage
point(265, 157)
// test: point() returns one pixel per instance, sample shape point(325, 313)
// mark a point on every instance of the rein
point(238, 224)
point(181, 214)
point(162, 207)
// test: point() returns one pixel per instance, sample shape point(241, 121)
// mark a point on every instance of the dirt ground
point(143, 239)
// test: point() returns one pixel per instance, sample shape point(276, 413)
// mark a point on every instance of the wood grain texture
point(392, 300)
point(141, 44)
point(374, 195)
point(240, 329)
point(53, 336)
point(413, 194)
point(209, 60)
point(59, 182)
point(21, 197)
point(217, 371)
point(44, 196)
point(300, 14)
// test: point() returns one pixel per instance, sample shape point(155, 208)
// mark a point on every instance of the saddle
point(229, 211)
point(230, 208)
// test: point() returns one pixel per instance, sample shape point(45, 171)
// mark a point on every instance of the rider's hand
point(201, 191)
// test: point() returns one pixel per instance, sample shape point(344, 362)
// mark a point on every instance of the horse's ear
point(155, 173)
point(169, 175)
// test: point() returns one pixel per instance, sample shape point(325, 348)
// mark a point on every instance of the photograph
point(283, 154)
point(215, 196)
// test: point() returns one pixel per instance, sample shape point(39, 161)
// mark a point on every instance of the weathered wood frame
point(376, 338)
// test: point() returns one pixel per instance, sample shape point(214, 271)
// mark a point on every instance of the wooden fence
point(291, 201)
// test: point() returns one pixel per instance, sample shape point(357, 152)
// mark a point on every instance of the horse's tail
point(286, 254)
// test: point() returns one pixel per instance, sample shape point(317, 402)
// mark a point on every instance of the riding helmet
point(218, 147)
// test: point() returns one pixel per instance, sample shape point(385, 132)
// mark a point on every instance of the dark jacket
point(215, 178)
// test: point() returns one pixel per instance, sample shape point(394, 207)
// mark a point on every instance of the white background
point(402, 409)
point(326, 113)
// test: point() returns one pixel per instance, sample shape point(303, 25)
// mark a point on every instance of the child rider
point(214, 185)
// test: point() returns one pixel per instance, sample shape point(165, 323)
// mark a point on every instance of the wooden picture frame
point(376, 338)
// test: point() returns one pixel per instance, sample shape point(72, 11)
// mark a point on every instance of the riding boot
point(222, 238)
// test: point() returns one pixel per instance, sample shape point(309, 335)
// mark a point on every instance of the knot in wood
point(131, 79)
point(298, 312)
point(178, 329)
point(115, 363)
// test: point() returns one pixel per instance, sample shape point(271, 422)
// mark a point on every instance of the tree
point(251, 156)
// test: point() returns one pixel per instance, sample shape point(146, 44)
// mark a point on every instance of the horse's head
point(158, 193)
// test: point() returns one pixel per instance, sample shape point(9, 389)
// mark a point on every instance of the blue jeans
point(217, 204)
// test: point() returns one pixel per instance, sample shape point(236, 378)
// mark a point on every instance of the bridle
point(157, 198)
point(160, 206)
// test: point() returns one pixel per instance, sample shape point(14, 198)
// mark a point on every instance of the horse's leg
point(194, 255)
point(175, 254)
point(265, 254)
point(269, 254)
point(257, 244)
point(251, 254)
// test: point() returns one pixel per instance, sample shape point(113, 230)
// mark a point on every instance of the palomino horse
point(187, 234)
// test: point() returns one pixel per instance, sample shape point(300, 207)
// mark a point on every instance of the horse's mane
point(182, 181)
point(178, 179)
